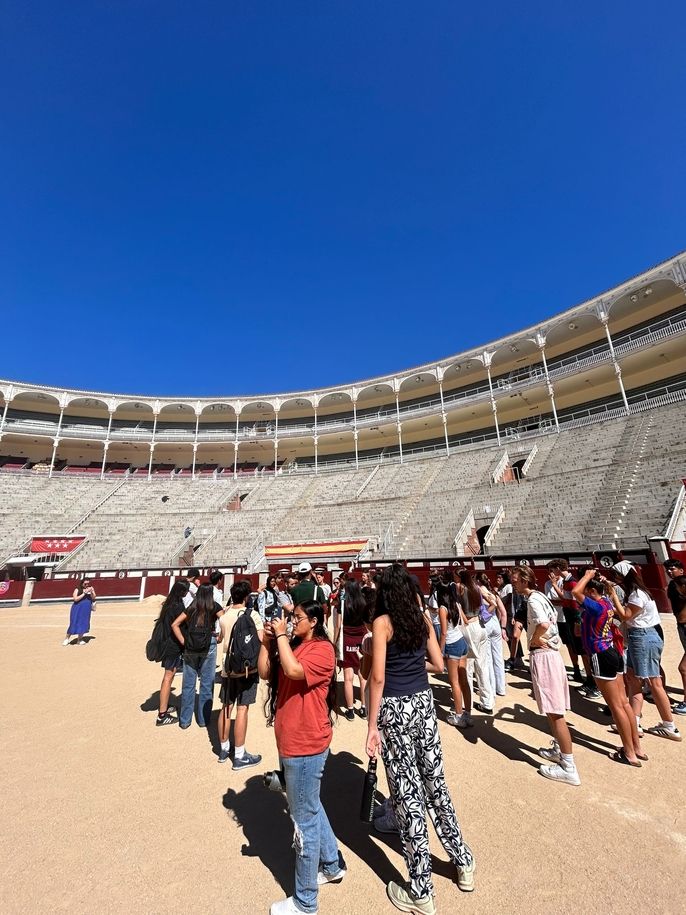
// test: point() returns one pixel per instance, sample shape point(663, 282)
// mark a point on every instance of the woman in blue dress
point(80, 616)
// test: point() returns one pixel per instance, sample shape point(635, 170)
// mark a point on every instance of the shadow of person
point(153, 703)
point(509, 746)
point(341, 794)
point(263, 816)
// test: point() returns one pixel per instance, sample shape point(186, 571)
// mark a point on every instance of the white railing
point(675, 518)
point(460, 541)
point(500, 468)
point(494, 525)
point(367, 480)
point(529, 461)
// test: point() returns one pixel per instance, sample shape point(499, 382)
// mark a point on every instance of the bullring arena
point(563, 440)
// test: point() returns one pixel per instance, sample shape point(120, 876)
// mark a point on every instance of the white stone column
point(439, 375)
point(195, 438)
point(316, 438)
point(4, 416)
point(397, 417)
point(56, 440)
point(235, 444)
point(276, 437)
point(355, 432)
point(487, 358)
point(104, 460)
point(540, 342)
point(152, 445)
point(604, 319)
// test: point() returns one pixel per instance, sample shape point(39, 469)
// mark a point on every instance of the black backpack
point(154, 649)
point(244, 647)
point(199, 638)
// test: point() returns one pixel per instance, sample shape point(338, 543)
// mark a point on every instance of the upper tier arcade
point(623, 347)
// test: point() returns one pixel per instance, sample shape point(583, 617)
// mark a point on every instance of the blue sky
point(240, 197)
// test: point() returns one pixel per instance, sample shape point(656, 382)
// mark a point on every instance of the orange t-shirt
point(301, 724)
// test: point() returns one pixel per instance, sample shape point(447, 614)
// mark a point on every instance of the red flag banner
point(55, 544)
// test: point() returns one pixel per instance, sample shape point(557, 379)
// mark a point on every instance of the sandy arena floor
point(103, 812)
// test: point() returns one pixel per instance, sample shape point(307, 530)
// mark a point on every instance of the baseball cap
point(304, 567)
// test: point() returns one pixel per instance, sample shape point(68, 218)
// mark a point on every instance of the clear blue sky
point(230, 197)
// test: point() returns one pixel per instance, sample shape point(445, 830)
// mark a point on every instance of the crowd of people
point(380, 629)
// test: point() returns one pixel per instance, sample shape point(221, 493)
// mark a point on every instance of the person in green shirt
point(307, 588)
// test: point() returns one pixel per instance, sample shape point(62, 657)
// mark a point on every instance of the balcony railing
point(624, 344)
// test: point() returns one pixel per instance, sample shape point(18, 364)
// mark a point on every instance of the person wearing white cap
point(307, 588)
point(645, 651)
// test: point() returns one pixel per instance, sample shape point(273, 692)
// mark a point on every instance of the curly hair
point(397, 598)
point(314, 611)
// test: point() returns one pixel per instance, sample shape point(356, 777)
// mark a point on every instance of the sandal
point(642, 756)
point(621, 757)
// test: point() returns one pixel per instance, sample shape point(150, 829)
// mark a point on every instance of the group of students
point(383, 630)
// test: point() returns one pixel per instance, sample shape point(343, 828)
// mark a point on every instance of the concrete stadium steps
point(572, 494)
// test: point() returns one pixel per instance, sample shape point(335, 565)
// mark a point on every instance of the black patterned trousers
point(412, 753)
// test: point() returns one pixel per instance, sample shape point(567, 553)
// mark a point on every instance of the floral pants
point(412, 753)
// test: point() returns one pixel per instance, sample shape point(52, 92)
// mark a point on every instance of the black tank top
point(405, 671)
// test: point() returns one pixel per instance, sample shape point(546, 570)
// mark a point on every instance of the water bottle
point(369, 793)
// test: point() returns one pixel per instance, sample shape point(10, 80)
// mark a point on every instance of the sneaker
point(661, 731)
point(558, 774)
point(323, 879)
point(551, 753)
point(247, 760)
point(362, 712)
point(679, 708)
point(453, 718)
point(167, 718)
point(387, 823)
point(482, 708)
point(224, 755)
point(464, 721)
point(465, 875)
point(67, 640)
point(82, 642)
point(350, 714)
point(287, 907)
point(406, 902)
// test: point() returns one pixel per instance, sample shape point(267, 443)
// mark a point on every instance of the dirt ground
point(104, 812)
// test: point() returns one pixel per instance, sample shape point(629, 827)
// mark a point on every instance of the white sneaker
point(67, 640)
point(465, 876)
point(386, 823)
point(464, 721)
point(558, 774)
point(453, 718)
point(552, 753)
point(287, 907)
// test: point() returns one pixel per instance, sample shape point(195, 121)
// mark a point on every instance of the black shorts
point(520, 617)
point(607, 665)
point(239, 690)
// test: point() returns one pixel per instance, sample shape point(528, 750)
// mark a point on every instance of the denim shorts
point(456, 650)
point(645, 652)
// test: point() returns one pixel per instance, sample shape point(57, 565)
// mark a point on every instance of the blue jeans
point(194, 666)
point(313, 839)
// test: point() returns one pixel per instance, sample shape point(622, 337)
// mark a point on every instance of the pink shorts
point(549, 679)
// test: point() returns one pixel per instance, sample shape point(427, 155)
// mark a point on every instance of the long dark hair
point(474, 596)
point(397, 598)
point(445, 595)
point(632, 581)
point(173, 603)
point(355, 611)
point(314, 611)
point(202, 606)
